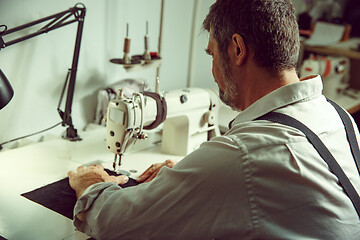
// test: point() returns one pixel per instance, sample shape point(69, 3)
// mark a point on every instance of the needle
point(114, 163)
point(120, 157)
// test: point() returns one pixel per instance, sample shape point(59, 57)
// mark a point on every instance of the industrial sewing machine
point(185, 118)
point(334, 71)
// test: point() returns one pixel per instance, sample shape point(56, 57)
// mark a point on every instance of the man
point(261, 180)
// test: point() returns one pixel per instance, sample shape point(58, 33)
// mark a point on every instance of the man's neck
point(259, 82)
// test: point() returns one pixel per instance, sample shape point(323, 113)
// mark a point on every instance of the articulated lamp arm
point(55, 21)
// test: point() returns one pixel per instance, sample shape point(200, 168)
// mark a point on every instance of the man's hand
point(153, 170)
point(85, 177)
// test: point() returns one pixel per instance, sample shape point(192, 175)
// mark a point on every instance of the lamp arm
point(57, 20)
point(71, 132)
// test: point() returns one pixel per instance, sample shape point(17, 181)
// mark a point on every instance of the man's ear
point(238, 48)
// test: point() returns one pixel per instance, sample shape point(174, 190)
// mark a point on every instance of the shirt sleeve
point(189, 201)
point(85, 202)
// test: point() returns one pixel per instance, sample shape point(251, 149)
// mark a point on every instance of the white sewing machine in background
point(334, 72)
point(185, 118)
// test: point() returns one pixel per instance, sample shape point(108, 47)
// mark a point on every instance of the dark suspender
point(322, 149)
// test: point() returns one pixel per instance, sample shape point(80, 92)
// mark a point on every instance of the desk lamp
point(75, 14)
point(6, 91)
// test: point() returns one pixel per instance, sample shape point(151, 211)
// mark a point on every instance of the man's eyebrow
point(207, 50)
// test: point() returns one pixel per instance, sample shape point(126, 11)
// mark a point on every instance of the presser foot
point(116, 167)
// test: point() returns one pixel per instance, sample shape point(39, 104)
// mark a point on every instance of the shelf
point(334, 51)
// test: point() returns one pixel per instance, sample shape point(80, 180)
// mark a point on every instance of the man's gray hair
point(268, 27)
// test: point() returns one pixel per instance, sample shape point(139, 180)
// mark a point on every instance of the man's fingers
point(80, 168)
point(153, 175)
point(121, 179)
point(170, 163)
point(143, 176)
point(148, 172)
point(101, 167)
point(70, 174)
point(147, 176)
point(153, 170)
point(95, 167)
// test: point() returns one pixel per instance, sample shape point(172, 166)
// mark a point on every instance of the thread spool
point(146, 39)
point(146, 55)
point(127, 45)
point(126, 58)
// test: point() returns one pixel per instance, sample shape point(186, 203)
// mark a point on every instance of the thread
point(127, 45)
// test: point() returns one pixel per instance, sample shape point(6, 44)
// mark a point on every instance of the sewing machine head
point(186, 118)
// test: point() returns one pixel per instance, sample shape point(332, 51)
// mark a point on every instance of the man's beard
point(225, 98)
point(229, 95)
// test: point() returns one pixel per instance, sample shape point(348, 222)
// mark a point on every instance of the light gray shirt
point(261, 180)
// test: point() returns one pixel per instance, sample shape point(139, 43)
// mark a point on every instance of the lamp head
point(6, 91)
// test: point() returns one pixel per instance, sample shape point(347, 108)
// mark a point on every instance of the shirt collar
point(281, 97)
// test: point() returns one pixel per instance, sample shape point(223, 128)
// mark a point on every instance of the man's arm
point(182, 202)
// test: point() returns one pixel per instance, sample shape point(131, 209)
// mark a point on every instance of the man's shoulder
point(260, 133)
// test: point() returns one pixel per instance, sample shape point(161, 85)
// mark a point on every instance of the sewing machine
point(185, 118)
point(334, 71)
